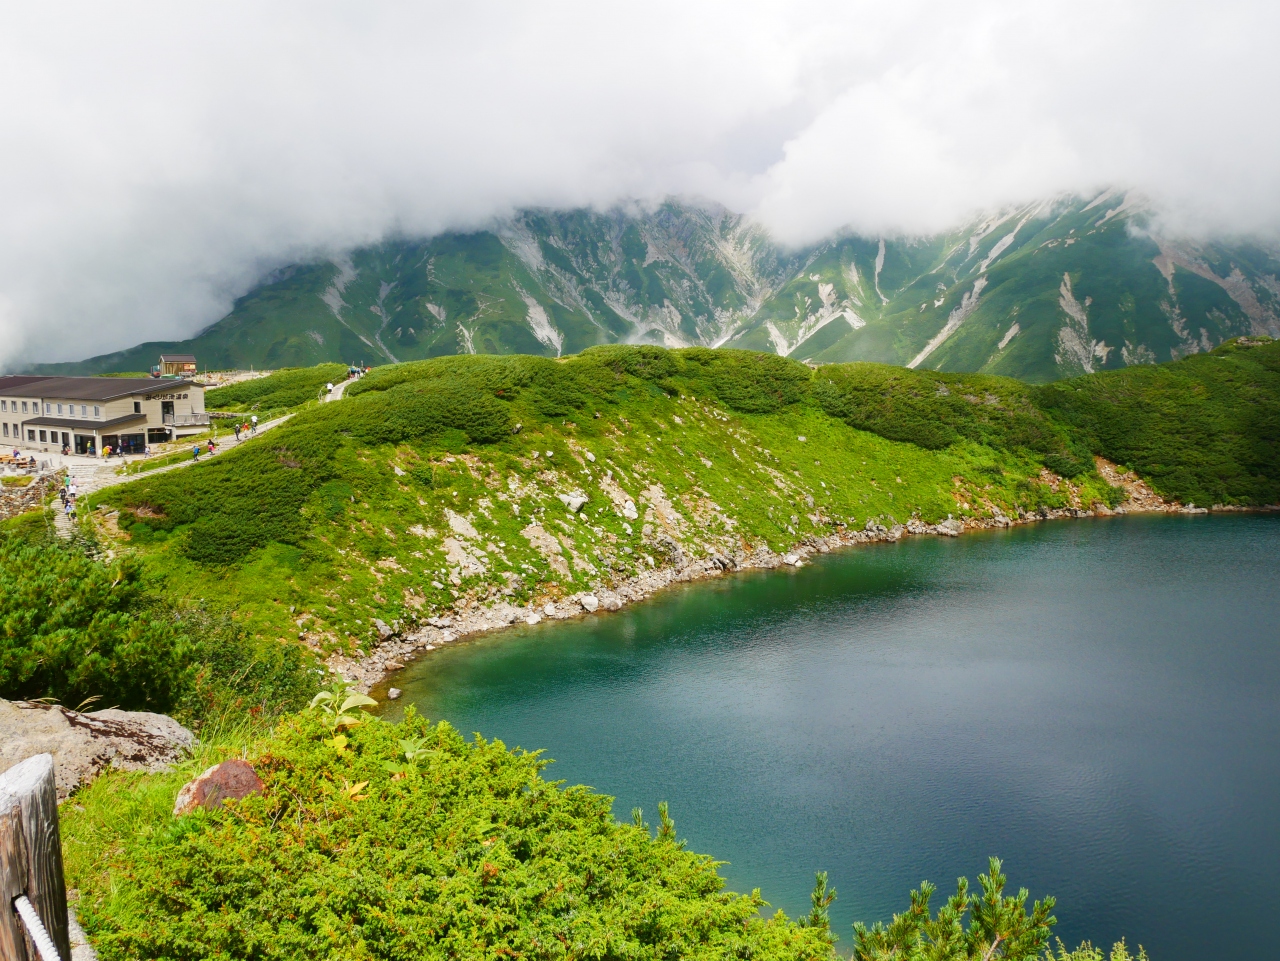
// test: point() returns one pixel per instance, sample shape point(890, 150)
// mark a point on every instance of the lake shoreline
point(373, 670)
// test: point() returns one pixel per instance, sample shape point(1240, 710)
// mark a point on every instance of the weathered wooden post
point(31, 859)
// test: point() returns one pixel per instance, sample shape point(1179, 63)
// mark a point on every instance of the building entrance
point(133, 443)
point(85, 444)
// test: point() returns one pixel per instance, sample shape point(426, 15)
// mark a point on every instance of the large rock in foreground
point(83, 744)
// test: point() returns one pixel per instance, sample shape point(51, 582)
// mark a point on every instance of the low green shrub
point(74, 628)
point(1205, 429)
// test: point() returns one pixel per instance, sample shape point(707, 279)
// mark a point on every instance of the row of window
point(71, 409)
point(46, 436)
point(49, 408)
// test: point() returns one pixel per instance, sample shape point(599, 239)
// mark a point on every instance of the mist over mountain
point(159, 160)
point(1039, 291)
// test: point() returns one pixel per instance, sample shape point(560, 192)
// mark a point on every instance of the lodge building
point(88, 414)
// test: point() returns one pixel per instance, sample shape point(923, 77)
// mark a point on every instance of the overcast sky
point(156, 159)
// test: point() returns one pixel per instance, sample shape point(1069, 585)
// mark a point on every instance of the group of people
point(248, 427)
point(68, 492)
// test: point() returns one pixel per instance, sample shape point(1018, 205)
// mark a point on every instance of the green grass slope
point(441, 484)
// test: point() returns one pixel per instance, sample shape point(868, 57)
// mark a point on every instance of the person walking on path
point(254, 421)
point(211, 446)
point(236, 428)
point(195, 452)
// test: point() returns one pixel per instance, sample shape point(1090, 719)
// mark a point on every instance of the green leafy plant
point(337, 709)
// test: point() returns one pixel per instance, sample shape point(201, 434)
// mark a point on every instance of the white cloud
point(155, 159)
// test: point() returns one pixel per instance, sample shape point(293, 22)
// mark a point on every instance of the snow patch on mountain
point(540, 323)
point(968, 304)
point(880, 267)
point(1075, 348)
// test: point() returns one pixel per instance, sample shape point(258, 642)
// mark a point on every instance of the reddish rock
point(228, 781)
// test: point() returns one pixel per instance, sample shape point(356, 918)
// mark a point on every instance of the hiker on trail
point(146, 451)
point(63, 494)
point(74, 489)
point(236, 428)
point(195, 452)
point(211, 446)
point(254, 420)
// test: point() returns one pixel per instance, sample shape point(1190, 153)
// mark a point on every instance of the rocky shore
point(470, 619)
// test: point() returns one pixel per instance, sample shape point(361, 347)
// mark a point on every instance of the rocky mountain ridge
point(1043, 290)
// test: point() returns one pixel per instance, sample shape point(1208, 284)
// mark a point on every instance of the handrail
point(35, 929)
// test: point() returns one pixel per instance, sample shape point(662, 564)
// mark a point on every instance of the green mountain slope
point(462, 483)
point(1051, 289)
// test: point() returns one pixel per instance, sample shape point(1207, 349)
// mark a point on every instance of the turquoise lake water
point(1096, 702)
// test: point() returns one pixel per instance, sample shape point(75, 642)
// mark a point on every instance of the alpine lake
point(1095, 702)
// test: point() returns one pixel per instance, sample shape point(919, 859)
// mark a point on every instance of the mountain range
point(1040, 291)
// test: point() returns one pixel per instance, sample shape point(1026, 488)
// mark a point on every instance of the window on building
point(84, 410)
point(4, 405)
point(48, 408)
point(137, 407)
point(44, 437)
point(31, 435)
point(59, 410)
point(97, 411)
point(6, 430)
point(24, 406)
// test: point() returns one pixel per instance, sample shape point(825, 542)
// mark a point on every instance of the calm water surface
point(1097, 703)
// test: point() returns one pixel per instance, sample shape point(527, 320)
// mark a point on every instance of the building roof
point(17, 384)
point(177, 358)
point(88, 388)
point(83, 425)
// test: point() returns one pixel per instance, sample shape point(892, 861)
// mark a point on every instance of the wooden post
point(31, 857)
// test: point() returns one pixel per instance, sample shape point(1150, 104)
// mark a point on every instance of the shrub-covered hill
point(456, 481)
point(280, 391)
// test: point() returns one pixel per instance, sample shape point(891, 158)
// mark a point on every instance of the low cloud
point(155, 160)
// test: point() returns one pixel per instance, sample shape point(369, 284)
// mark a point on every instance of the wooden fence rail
point(31, 859)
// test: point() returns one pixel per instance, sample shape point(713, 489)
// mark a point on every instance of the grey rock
point(83, 744)
point(393, 693)
point(950, 527)
point(590, 603)
point(383, 630)
point(572, 501)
